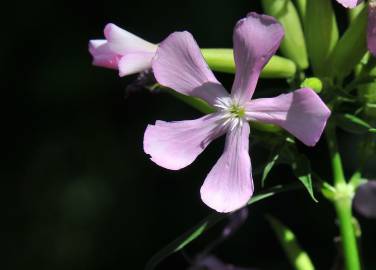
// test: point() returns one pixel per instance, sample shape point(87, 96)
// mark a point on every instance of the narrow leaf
point(268, 168)
point(298, 258)
point(353, 124)
point(302, 170)
point(204, 225)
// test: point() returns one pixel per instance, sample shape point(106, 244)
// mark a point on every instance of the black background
point(78, 191)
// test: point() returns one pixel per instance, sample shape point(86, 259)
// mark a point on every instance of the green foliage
point(353, 124)
point(203, 226)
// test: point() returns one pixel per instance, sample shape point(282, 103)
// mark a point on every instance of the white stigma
point(232, 113)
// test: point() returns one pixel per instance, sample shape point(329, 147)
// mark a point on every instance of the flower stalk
point(342, 201)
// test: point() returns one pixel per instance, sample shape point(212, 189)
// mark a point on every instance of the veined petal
point(102, 55)
point(371, 29)
point(175, 145)
point(229, 184)
point(179, 65)
point(301, 112)
point(122, 42)
point(349, 3)
point(132, 63)
point(256, 38)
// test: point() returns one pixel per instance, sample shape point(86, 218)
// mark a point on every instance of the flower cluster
point(178, 64)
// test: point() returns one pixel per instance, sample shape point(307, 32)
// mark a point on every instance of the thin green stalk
point(335, 157)
point(342, 202)
point(348, 237)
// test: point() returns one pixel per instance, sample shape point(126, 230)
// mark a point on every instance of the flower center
point(232, 113)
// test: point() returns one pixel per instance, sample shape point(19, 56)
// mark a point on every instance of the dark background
point(78, 191)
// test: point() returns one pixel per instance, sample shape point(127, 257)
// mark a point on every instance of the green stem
point(348, 237)
point(335, 157)
point(342, 203)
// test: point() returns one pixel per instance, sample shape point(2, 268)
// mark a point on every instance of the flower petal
point(179, 65)
point(229, 184)
point(122, 42)
point(175, 145)
point(132, 63)
point(365, 199)
point(371, 29)
point(349, 3)
point(301, 112)
point(102, 55)
point(256, 38)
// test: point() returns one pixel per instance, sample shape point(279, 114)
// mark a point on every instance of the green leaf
point(276, 156)
point(204, 225)
point(293, 44)
point(222, 60)
point(353, 124)
point(298, 258)
point(302, 170)
point(268, 168)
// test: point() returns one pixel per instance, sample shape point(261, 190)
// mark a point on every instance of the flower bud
point(293, 45)
point(222, 60)
point(350, 48)
point(321, 33)
point(313, 83)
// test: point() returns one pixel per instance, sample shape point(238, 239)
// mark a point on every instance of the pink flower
point(371, 29)
point(349, 3)
point(122, 50)
point(178, 64)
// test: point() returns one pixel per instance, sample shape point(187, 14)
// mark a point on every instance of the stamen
point(232, 114)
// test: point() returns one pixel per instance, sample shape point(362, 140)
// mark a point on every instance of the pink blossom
point(122, 50)
point(349, 3)
point(179, 65)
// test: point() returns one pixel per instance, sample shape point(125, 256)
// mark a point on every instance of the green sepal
point(222, 60)
point(321, 33)
point(298, 257)
point(293, 45)
point(350, 49)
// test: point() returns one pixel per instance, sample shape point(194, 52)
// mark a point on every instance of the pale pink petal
point(175, 145)
point(301, 112)
point(132, 63)
point(349, 3)
point(102, 55)
point(256, 38)
point(179, 65)
point(371, 30)
point(229, 184)
point(122, 42)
